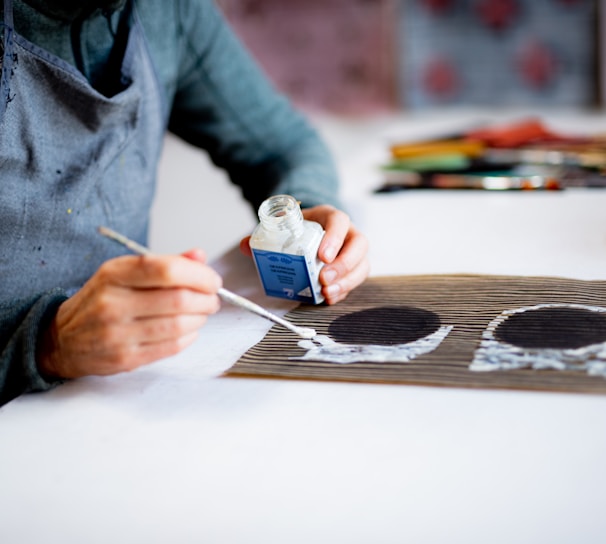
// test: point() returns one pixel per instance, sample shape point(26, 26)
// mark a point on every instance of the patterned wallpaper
point(334, 55)
point(496, 52)
point(357, 56)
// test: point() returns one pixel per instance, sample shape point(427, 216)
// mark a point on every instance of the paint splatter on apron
point(71, 159)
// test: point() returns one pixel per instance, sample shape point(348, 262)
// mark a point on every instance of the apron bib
point(72, 159)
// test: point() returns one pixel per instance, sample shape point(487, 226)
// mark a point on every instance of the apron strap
point(7, 57)
point(8, 13)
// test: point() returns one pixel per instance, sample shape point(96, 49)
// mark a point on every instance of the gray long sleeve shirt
point(215, 97)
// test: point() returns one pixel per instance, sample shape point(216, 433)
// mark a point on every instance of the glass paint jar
point(285, 250)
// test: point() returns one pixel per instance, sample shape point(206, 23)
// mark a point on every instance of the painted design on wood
point(545, 337)
point(377, 335)
point(461, 320)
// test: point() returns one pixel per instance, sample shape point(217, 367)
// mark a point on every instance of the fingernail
point(333, 290)
point(329, 275)
point(330, 252)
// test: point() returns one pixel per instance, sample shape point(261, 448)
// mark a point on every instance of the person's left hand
point(343, 249)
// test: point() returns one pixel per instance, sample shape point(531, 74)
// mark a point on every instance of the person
point(88, 90)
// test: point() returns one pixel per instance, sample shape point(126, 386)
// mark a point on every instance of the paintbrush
point(226, 295)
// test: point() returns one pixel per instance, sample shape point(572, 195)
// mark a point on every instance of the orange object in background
point(472, 143)
point(521, 133)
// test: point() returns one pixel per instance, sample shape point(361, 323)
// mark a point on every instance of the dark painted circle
point(553, 328)
point(384, 326)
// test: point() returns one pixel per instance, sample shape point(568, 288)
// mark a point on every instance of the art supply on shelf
point(479, 175)
point(524, 155)
point(468, 148)
point(494, 182)
point(586, 158)
point(285, 250)
point(225, 294)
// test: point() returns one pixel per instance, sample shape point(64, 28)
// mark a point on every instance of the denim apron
point(71, 159)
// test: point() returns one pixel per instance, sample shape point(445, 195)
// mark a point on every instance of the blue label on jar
point(284, 276)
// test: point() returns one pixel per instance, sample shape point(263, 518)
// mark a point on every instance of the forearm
point(309, 174)
point(225, 105)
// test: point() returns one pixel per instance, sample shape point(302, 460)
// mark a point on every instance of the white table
point(176, 453)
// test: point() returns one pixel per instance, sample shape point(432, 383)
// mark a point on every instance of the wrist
point(47, 352)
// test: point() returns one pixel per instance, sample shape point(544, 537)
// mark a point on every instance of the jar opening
point(280, 211)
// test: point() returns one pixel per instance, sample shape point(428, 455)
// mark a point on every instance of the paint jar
point(285, 250)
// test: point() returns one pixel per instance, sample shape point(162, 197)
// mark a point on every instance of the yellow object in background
point(470, 148)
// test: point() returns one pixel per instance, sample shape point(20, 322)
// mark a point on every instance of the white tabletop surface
point(174, 452)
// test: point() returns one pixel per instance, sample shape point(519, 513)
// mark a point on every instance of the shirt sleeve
point(225, 104)
point(20, 325)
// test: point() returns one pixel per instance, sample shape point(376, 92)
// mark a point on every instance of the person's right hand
point(133, 310)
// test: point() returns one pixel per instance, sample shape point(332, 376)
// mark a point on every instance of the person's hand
point(343, 250)
point(133, 310)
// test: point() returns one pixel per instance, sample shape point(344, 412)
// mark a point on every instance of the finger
point(164, 302)
point(147, 330)
point(336, 225)
point(144, 354)
point(339, 290)
point(353, 252)
point(245, 246)
point(159, 350)
point(118, 306)
point(161, 271)
point(128, 357)
point(154, 330)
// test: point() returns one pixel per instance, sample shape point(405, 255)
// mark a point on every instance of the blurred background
point(361, 56)
point(355, 65)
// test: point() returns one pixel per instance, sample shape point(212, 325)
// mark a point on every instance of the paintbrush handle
point(249, 305)
point(135, 247)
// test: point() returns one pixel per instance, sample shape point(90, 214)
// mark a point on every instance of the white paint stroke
point(323, 348)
